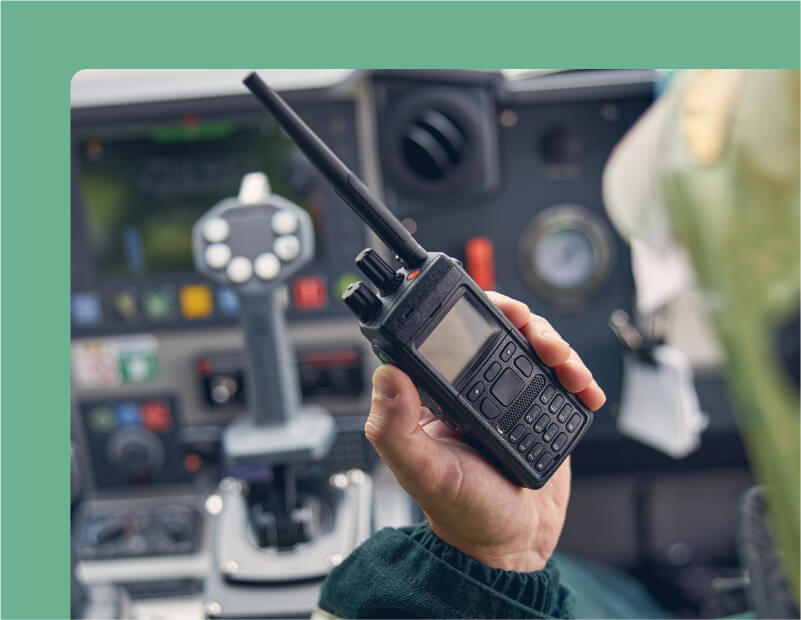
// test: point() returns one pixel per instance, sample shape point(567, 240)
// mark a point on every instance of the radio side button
point(507, 387)
point(489, 409)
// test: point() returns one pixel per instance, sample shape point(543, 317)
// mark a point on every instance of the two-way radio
point(472, 367)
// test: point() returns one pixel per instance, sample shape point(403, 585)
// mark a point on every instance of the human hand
point(469, 503)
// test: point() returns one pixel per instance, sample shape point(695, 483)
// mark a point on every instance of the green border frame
point(45, 43)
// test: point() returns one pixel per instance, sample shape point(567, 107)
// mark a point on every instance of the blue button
point(227, 301)
point(86, 309)
point(127, 414)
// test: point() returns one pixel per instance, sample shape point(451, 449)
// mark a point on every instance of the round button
point(287, 247)
point(217, 255)
point(284, 222)
point(239, 269)
point(267, 266)
point(216, 230)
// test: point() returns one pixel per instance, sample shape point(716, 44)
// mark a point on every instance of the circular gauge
point(566, 253)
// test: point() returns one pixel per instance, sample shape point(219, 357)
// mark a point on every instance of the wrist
point(519, 558)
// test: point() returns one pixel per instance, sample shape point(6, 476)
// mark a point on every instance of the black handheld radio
point(472, 367)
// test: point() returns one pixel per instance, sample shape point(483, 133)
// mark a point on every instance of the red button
point(308, 293)
point(480, 262)
point(156, 416)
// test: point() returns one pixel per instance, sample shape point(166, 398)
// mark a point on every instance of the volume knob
point(379, 271)
point(362, 301)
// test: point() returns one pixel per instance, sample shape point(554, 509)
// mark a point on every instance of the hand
point(470, 504)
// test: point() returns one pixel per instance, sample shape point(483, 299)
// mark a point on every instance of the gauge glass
point(564, 258)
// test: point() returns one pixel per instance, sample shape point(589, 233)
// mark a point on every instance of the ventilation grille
point(521, 405)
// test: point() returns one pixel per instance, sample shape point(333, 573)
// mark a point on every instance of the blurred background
point(502, 170)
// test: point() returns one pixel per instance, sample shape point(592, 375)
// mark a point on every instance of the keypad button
point(524, 365)
point(564, 414)
point(489, 409)
point(550, 433)
point(534, 452)
point(475, 391)
point(517, 433)
point(559, 442)
point(547, 394)
point(525, 443)
point(508, 351)
point(532, 414)
point(544, 461)
point(492, 371)
point(541, 424)
point(507, 387)
point(574, 424)
point(556, 403)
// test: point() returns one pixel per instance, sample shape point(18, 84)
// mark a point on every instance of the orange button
point(308, 293)
point(480, 262)
point(155, 416)
point(196, 301)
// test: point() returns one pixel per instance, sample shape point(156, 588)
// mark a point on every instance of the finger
point(573, 374)
point(516, 311)
point(592, 396)
point(393, 427)
point(549, 345)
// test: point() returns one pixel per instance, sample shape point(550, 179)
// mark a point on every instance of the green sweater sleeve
point(411, 573)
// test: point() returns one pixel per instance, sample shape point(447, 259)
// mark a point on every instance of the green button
point(101, 419)
point(159, 304)
point(344, 281)
point(138, 367)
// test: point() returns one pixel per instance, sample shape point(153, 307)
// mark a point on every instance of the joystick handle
point(272, 378)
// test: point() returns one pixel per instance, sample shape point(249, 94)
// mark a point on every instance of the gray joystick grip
point(254, 243)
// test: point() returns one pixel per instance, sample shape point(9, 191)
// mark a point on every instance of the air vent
point(433, 142)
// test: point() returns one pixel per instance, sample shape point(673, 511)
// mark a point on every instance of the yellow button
point(196, 301)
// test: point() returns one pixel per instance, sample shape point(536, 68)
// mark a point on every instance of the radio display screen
point(142, 192)
point(455, 341)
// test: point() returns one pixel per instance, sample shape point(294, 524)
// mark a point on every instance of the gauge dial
point(566, 253)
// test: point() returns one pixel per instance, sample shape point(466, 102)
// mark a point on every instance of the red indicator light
point(480, 262)
point(413, 275)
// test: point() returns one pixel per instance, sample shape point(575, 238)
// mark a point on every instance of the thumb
point(393, 427)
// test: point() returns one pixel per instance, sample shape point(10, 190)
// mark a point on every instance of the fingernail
point(383, 384)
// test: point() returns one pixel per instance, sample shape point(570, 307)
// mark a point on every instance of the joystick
point(278, 524)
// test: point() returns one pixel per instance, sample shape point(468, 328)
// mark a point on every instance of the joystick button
point(507, 387)
point(287, 247)
point(216, 230)
point(267, 266)
point(284, 223)
point(239, 270)
point(217, 255)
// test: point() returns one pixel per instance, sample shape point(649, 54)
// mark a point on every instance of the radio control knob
point(362, 301)
point(378, 271)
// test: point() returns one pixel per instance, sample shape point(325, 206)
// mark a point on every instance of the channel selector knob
point(378, 271)
point(362, 301)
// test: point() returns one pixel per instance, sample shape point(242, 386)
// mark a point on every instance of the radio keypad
point(547, 394)
point(475, 391)
point(525, 444)
point(556, 403)
point(534, 452)
point(517, 433)
point(574, 424)
point(492, 371)
point(508, 351)
point(559, 442)
point(541, 424)
point(544, 461)
point(524, 365)
point(550, 433)
point(564, 413)
point(532, 414)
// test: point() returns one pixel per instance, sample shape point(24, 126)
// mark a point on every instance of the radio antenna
point(349, 187)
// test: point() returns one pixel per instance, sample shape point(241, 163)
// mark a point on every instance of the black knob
point(379, 271)
point(362, 301)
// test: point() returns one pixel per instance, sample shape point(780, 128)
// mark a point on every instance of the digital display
point(142, 192)
point(454, 343)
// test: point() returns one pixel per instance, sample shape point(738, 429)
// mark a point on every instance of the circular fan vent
point(433, 142)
